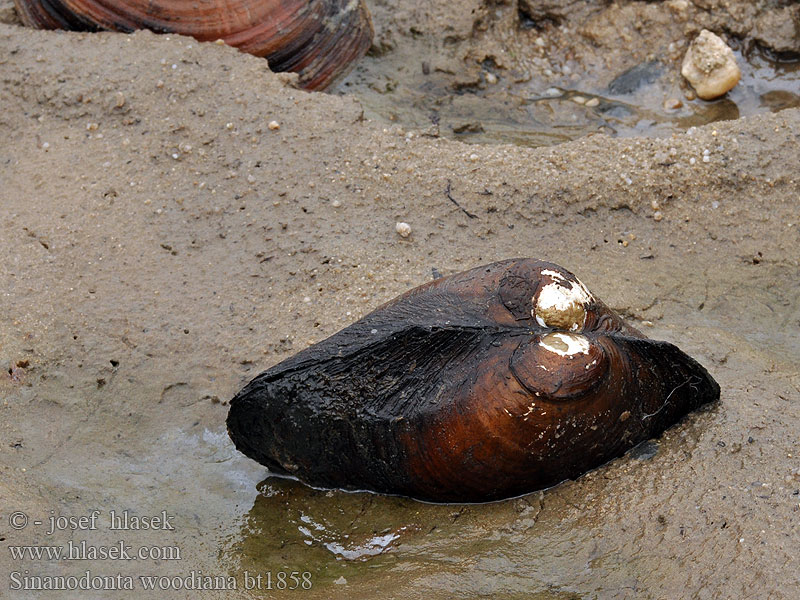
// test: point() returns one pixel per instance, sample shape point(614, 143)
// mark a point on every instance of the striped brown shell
point(318, 39)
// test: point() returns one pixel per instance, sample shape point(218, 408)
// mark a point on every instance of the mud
point(160, 245)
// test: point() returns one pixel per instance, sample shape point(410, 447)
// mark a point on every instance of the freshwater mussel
point(318, 39)
point(487, 384)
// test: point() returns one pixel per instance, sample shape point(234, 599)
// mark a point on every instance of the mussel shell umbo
point(318, 39)
point(487, 384)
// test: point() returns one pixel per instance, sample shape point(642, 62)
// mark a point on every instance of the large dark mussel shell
point(493, 382)
point(319, 39)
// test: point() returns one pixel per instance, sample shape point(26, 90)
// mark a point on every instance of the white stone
point(709, 65)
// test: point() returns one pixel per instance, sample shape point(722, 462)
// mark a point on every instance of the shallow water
point(538, 114)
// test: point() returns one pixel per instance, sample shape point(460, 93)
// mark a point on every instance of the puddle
point(647, 99)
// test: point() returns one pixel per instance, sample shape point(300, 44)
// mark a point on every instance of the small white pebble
point(91, 126)
point(340, 581)
point(491, 78)
point(474, 157)
point(403, 229)
point(578, 99)
point(251, 179)
point(228, 125)
point(593, 102)
point(306, 299)
point(692, 160)
point(657, 216)
point(45, 146)
point(706, 158)
point(336, 204)
point(273, 125)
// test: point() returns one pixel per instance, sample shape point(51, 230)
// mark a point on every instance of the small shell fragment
point(403, 229)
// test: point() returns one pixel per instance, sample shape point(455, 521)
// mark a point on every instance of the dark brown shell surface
point(318, 39)
point(487, 384)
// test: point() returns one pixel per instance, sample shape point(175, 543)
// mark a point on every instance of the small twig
point(454, 201)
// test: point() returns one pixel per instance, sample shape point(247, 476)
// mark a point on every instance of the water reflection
point(328, 532)
point(360, 537)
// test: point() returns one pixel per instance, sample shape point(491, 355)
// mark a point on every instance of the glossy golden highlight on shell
point(487, 384)
point(318, 39)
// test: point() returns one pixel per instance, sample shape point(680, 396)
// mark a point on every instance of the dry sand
point(160, 245)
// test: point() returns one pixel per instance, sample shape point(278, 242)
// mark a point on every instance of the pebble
point(578, 99)
point(273, 125)
point(491, 78)
point(403, 229)
point(593, 102)
point(657, 216)
point(340, 581)
point(709, 65)
point(671, 104)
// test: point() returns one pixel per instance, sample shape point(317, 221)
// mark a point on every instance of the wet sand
point(160, 245)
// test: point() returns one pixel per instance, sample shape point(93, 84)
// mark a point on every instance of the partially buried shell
point(319, 39)
point(487, 384)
